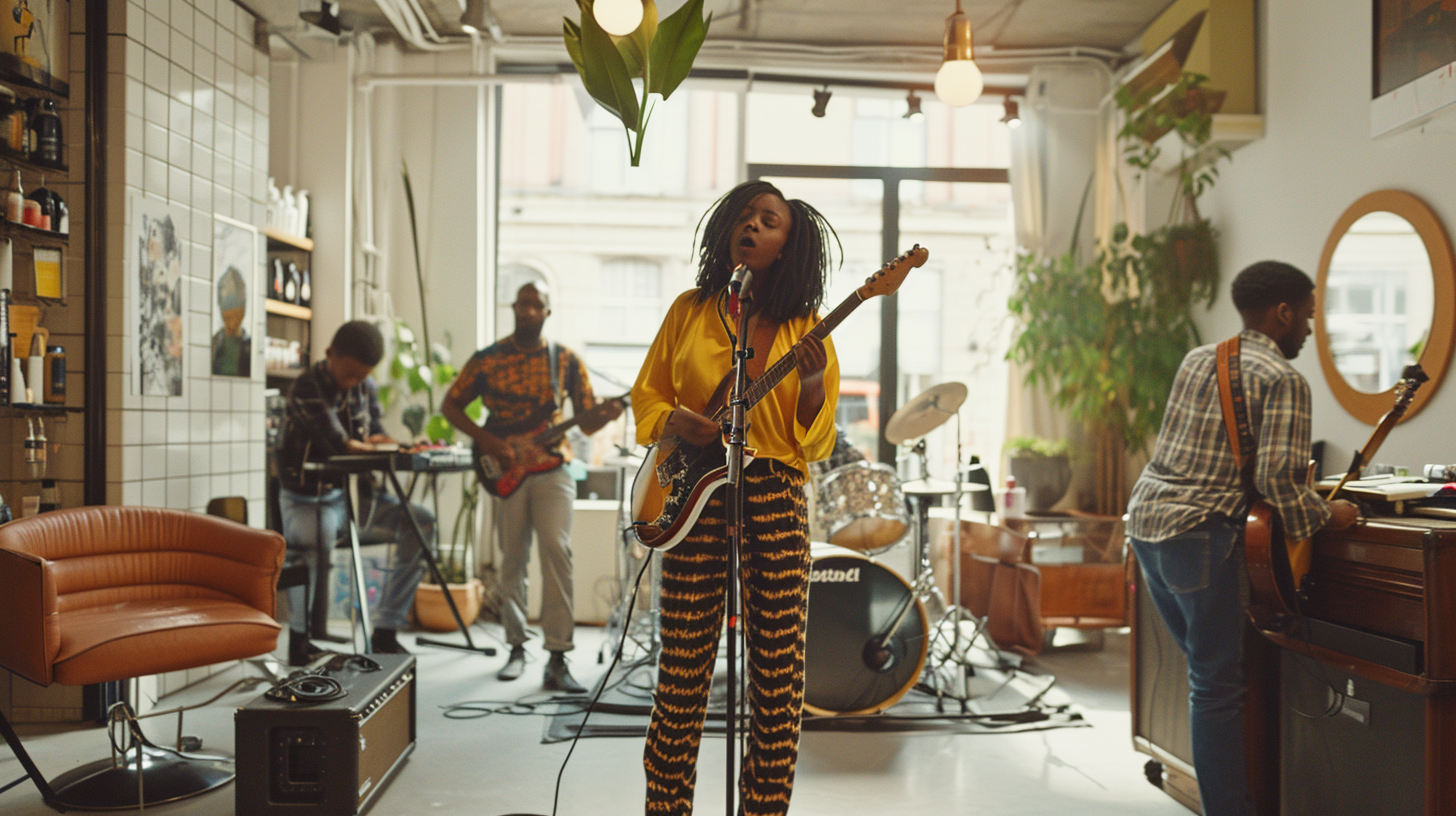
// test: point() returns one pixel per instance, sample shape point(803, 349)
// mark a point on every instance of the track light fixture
point(327, 17)
point(959, 80)
point(1012, 117)
point(912, 107)
point(821, 101)
point(618, 17)
point(474, 17)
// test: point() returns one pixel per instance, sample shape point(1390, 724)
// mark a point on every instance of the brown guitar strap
point(1236, 413)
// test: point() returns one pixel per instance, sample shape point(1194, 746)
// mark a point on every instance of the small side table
point(1082, 558)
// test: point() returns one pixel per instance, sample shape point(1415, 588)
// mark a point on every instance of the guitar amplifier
point(330, 758)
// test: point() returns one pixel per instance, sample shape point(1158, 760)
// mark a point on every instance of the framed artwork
point(35, 43)
point(234, 296)
point(1413, 62)
point(156, 288)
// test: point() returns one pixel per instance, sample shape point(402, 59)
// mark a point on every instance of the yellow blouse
point(692, 354)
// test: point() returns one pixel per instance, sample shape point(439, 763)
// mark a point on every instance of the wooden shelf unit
point(295, 241)
point(279, 307)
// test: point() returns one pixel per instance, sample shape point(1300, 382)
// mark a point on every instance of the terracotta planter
point(433, 612)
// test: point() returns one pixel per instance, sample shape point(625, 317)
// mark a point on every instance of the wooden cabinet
point(289, 341)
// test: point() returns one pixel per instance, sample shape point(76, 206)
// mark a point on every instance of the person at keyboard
point(333, 408)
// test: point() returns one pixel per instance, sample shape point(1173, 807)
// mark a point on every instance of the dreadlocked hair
point(798, 280)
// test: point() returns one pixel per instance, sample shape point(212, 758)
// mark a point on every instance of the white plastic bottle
point(1011, 501)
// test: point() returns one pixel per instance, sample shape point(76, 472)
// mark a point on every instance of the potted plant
point(416, 368)
point(1041, 466)
point(1106, 335)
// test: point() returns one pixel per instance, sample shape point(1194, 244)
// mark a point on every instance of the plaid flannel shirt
point(320, 420)
point(1193, 475)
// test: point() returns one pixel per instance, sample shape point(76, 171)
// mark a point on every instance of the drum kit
point(872, 635)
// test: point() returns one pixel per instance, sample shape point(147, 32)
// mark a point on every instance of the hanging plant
point(659, 54)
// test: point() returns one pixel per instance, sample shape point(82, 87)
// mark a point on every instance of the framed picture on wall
point(35, 43)
point(155, 290)
point(234, 296)
point(1413, 62)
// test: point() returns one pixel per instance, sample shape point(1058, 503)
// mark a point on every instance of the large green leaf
point(413, 418)
point(439, 429)
point(634, 47)
point(571, 33)
point(676, 45)
point(606, 76)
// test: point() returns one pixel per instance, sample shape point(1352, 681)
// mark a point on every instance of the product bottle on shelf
point(15, 200)
point(55, 375)
point(61, 220)
point(305, 290)
point(45, 134)
point(44, 207)
point(1011, 502)
point(291, 284)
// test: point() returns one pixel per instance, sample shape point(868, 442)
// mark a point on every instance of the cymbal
point(925, 412)
point(928, 487)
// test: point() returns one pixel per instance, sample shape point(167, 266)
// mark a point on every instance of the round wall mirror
point(1386, 298)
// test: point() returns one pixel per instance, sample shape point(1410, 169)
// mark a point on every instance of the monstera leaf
point(660, 55)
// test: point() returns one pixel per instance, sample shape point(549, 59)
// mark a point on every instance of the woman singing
point(786, 245)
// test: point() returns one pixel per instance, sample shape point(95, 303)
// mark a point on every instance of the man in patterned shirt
point(514, 380)
point(1187, 511)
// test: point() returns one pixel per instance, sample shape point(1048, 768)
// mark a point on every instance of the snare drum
point(853, 663)
point(860, 507)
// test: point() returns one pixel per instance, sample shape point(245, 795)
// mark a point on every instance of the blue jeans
point(1196, 580)
point(312, 524)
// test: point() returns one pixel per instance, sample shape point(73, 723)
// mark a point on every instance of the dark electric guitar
point(534, 441)
point(1277, 567)
point(677, 479)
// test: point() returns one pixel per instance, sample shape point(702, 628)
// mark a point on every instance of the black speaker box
point(330, 758)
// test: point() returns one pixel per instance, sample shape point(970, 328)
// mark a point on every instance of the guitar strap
point(1236, 413)
point(553, 355)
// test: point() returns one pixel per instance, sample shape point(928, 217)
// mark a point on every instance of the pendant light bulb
point(618, 17)
point(958, 82)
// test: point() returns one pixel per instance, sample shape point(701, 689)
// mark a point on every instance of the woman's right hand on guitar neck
point(691, 427)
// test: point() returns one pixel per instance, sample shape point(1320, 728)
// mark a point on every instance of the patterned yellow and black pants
point(775, 576)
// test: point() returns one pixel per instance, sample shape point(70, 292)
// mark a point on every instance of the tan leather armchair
point(98, 594)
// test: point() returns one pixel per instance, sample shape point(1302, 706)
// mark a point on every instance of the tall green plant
point(1106, 336)
point(416, 369)
point(658, 54)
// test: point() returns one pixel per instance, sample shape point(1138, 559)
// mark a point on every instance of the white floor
point(497, 765)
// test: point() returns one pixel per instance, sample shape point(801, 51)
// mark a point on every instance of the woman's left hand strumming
point(810, 359)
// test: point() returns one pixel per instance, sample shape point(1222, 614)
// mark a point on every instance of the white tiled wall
point(192, 123)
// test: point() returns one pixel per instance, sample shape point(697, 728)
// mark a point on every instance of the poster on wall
point(34, 43)
point(156, 288)
point(1412, 39)
point(234, 293)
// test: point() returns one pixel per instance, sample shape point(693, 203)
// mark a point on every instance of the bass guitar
point(534, 441)
point(677, 478)
point(1277, 568)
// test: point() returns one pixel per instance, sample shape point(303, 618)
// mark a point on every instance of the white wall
point(1280, 196)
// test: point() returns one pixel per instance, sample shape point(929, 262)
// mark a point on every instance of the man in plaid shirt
point(1187, 511)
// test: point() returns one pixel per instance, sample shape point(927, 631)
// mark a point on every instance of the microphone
point(738, 288)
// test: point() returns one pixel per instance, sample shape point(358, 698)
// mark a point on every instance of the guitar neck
point(775, 373)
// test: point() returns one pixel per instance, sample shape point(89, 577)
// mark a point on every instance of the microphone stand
point(737, 439)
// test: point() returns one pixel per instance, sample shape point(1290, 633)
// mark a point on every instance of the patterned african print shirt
point(515, 386)
point(1193, 475)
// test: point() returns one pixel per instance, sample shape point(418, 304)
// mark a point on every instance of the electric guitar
point(1276, 567)
point(677, 478)
point(535, 446)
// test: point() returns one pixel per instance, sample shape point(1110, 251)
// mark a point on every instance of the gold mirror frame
point(1436, 356)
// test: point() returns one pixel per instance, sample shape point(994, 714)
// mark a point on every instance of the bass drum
point(851, 667)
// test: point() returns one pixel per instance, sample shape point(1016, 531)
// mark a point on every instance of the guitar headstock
point(891, 275)
point(1405, 390)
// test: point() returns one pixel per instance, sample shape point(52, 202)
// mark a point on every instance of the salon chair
point(99, 594)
